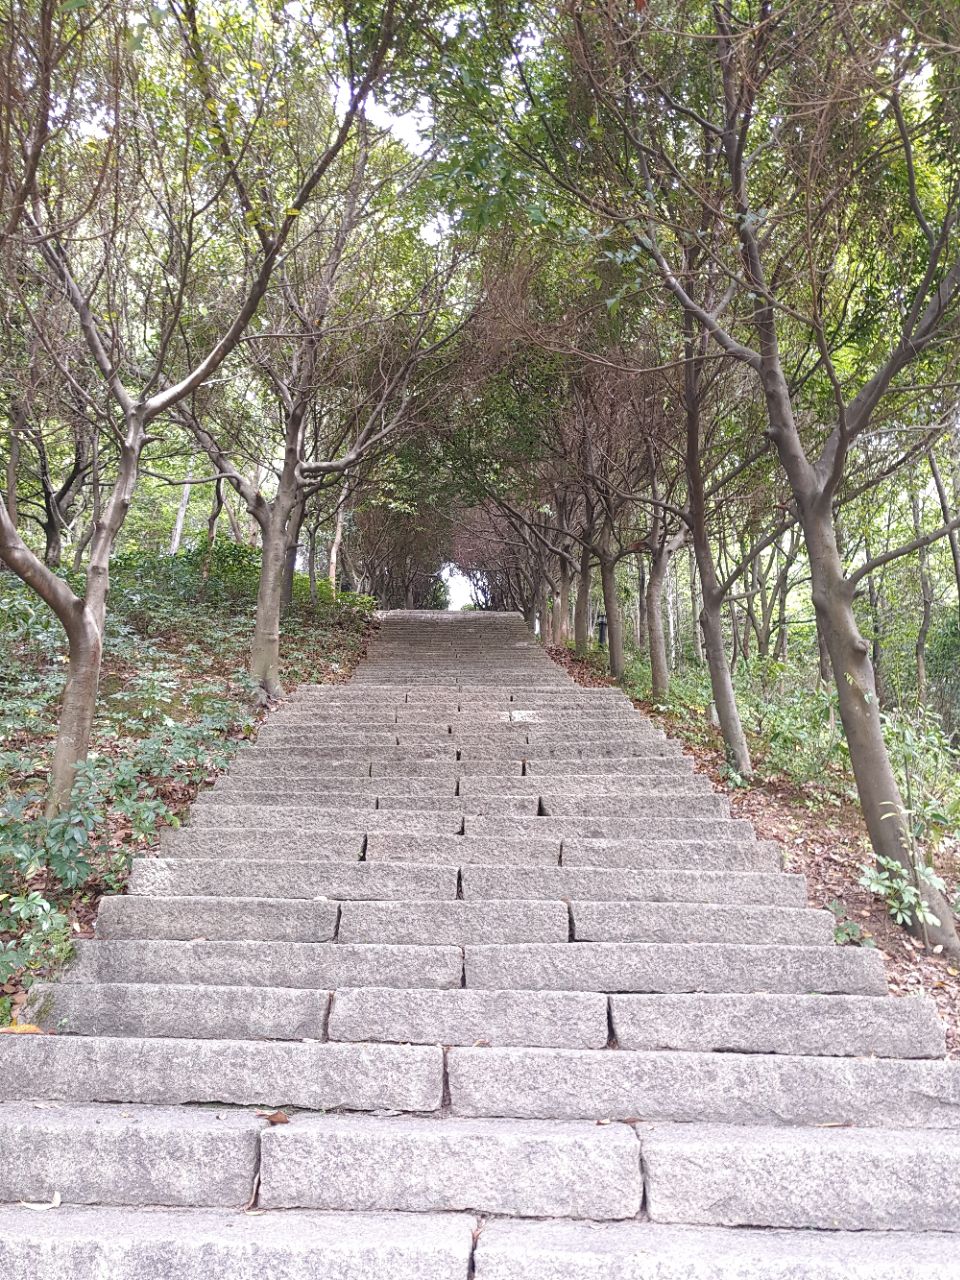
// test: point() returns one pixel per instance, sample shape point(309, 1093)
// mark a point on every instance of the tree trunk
point(880, 798)
point(77, 708)
point(659, 667)
point(926, 596)
point(312, 564)
point(337, 537)
point(53, 543)
point(581, 614)
point(290, 557)
point(695, 609)
point(13, 467)
point(265, 646)
point(177, 535)
point(611, 605)
point(561, 628)
point(945, 511)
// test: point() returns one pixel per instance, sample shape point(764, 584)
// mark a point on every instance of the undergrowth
point(174, 704)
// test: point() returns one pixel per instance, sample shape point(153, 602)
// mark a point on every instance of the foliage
point(890, 881)
point(175, 703)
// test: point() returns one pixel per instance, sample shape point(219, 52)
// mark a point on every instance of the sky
point(458, 587)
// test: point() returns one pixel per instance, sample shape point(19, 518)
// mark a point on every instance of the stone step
point(128, 1155)
point(549, 1019)
point(693, 804)
point(559, 768)
point(682, 784)
point(523, 1169)
point(323, 820)
point(198, 1012)
point(179, 1244)
point(675, 967)
point(455, 923)
point(627, 884)
point(343, 881)
point(510, 1249)
point(218, 919)
point(828, 1179)
point(695, 922)
point(703, 1088)
point(828, 1026)
point(462, 850)
point(613, 828)
point(320, 1077)
point(652, 851)
point(318, 965)
point(297, 843)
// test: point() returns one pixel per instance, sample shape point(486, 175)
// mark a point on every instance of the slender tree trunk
point(581, 614)
point(312, 564)
point(53, 543)
point(695, 609)
point(178, 524)
point(659, 667)
point(880, 798)
point(641, 621)
point(611, 606)
point(290, 558)
point(13, 466)
point(561, 631)
point(926, 596)
point(337, 536)
point(265, 645)
point(945, 511)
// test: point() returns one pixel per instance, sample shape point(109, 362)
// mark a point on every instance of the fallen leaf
point(274, 1117)
point(21, 1029)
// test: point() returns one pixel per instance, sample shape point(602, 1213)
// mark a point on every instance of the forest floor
point(826, 844)
point(175, 704)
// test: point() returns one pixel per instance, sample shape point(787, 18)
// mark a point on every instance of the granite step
point(510, 1249)
point(523, 1169)
point(203, 1244)
point(455, 923)
point(824, 1026)
point(180, 1010)
point(704, 1088)
point(675, 967)
point(318, 1077)
point(554, 1019)
point(826, 1179)
point(696, 922)
point(218, 919)
point(626, 884)
point(342, 881)
point(128, 1155)
point(317, 965)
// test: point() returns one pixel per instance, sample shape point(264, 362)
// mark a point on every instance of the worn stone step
point(613, 828)
point(432, 1165)
point(204, 1244)
point(651, 851)
point(629, 884)
point(462, 850)
point(282, 790)
point(675, 967)
point(830, 1179)
point(297, 843)
point(834, 1025)
point(342, 881)
point(561, 1019)
point(200, 1011)
point(521, 806)
point(218, 919)
point(693, 805)
point(602, 787)
point(127, 1155)
point(323, 820)
point(696, 922)
point(357, 1077)
point(562, 766)
point(510, 1249)
point(322, 965)
point(455, 923)
point(704, 1088)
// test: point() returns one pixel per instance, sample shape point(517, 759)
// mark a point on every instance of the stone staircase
point(537, 1007)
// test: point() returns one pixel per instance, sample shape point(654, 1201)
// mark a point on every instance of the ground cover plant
point(175, 703)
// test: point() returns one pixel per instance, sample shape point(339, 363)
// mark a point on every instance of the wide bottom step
point(145, 1244)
